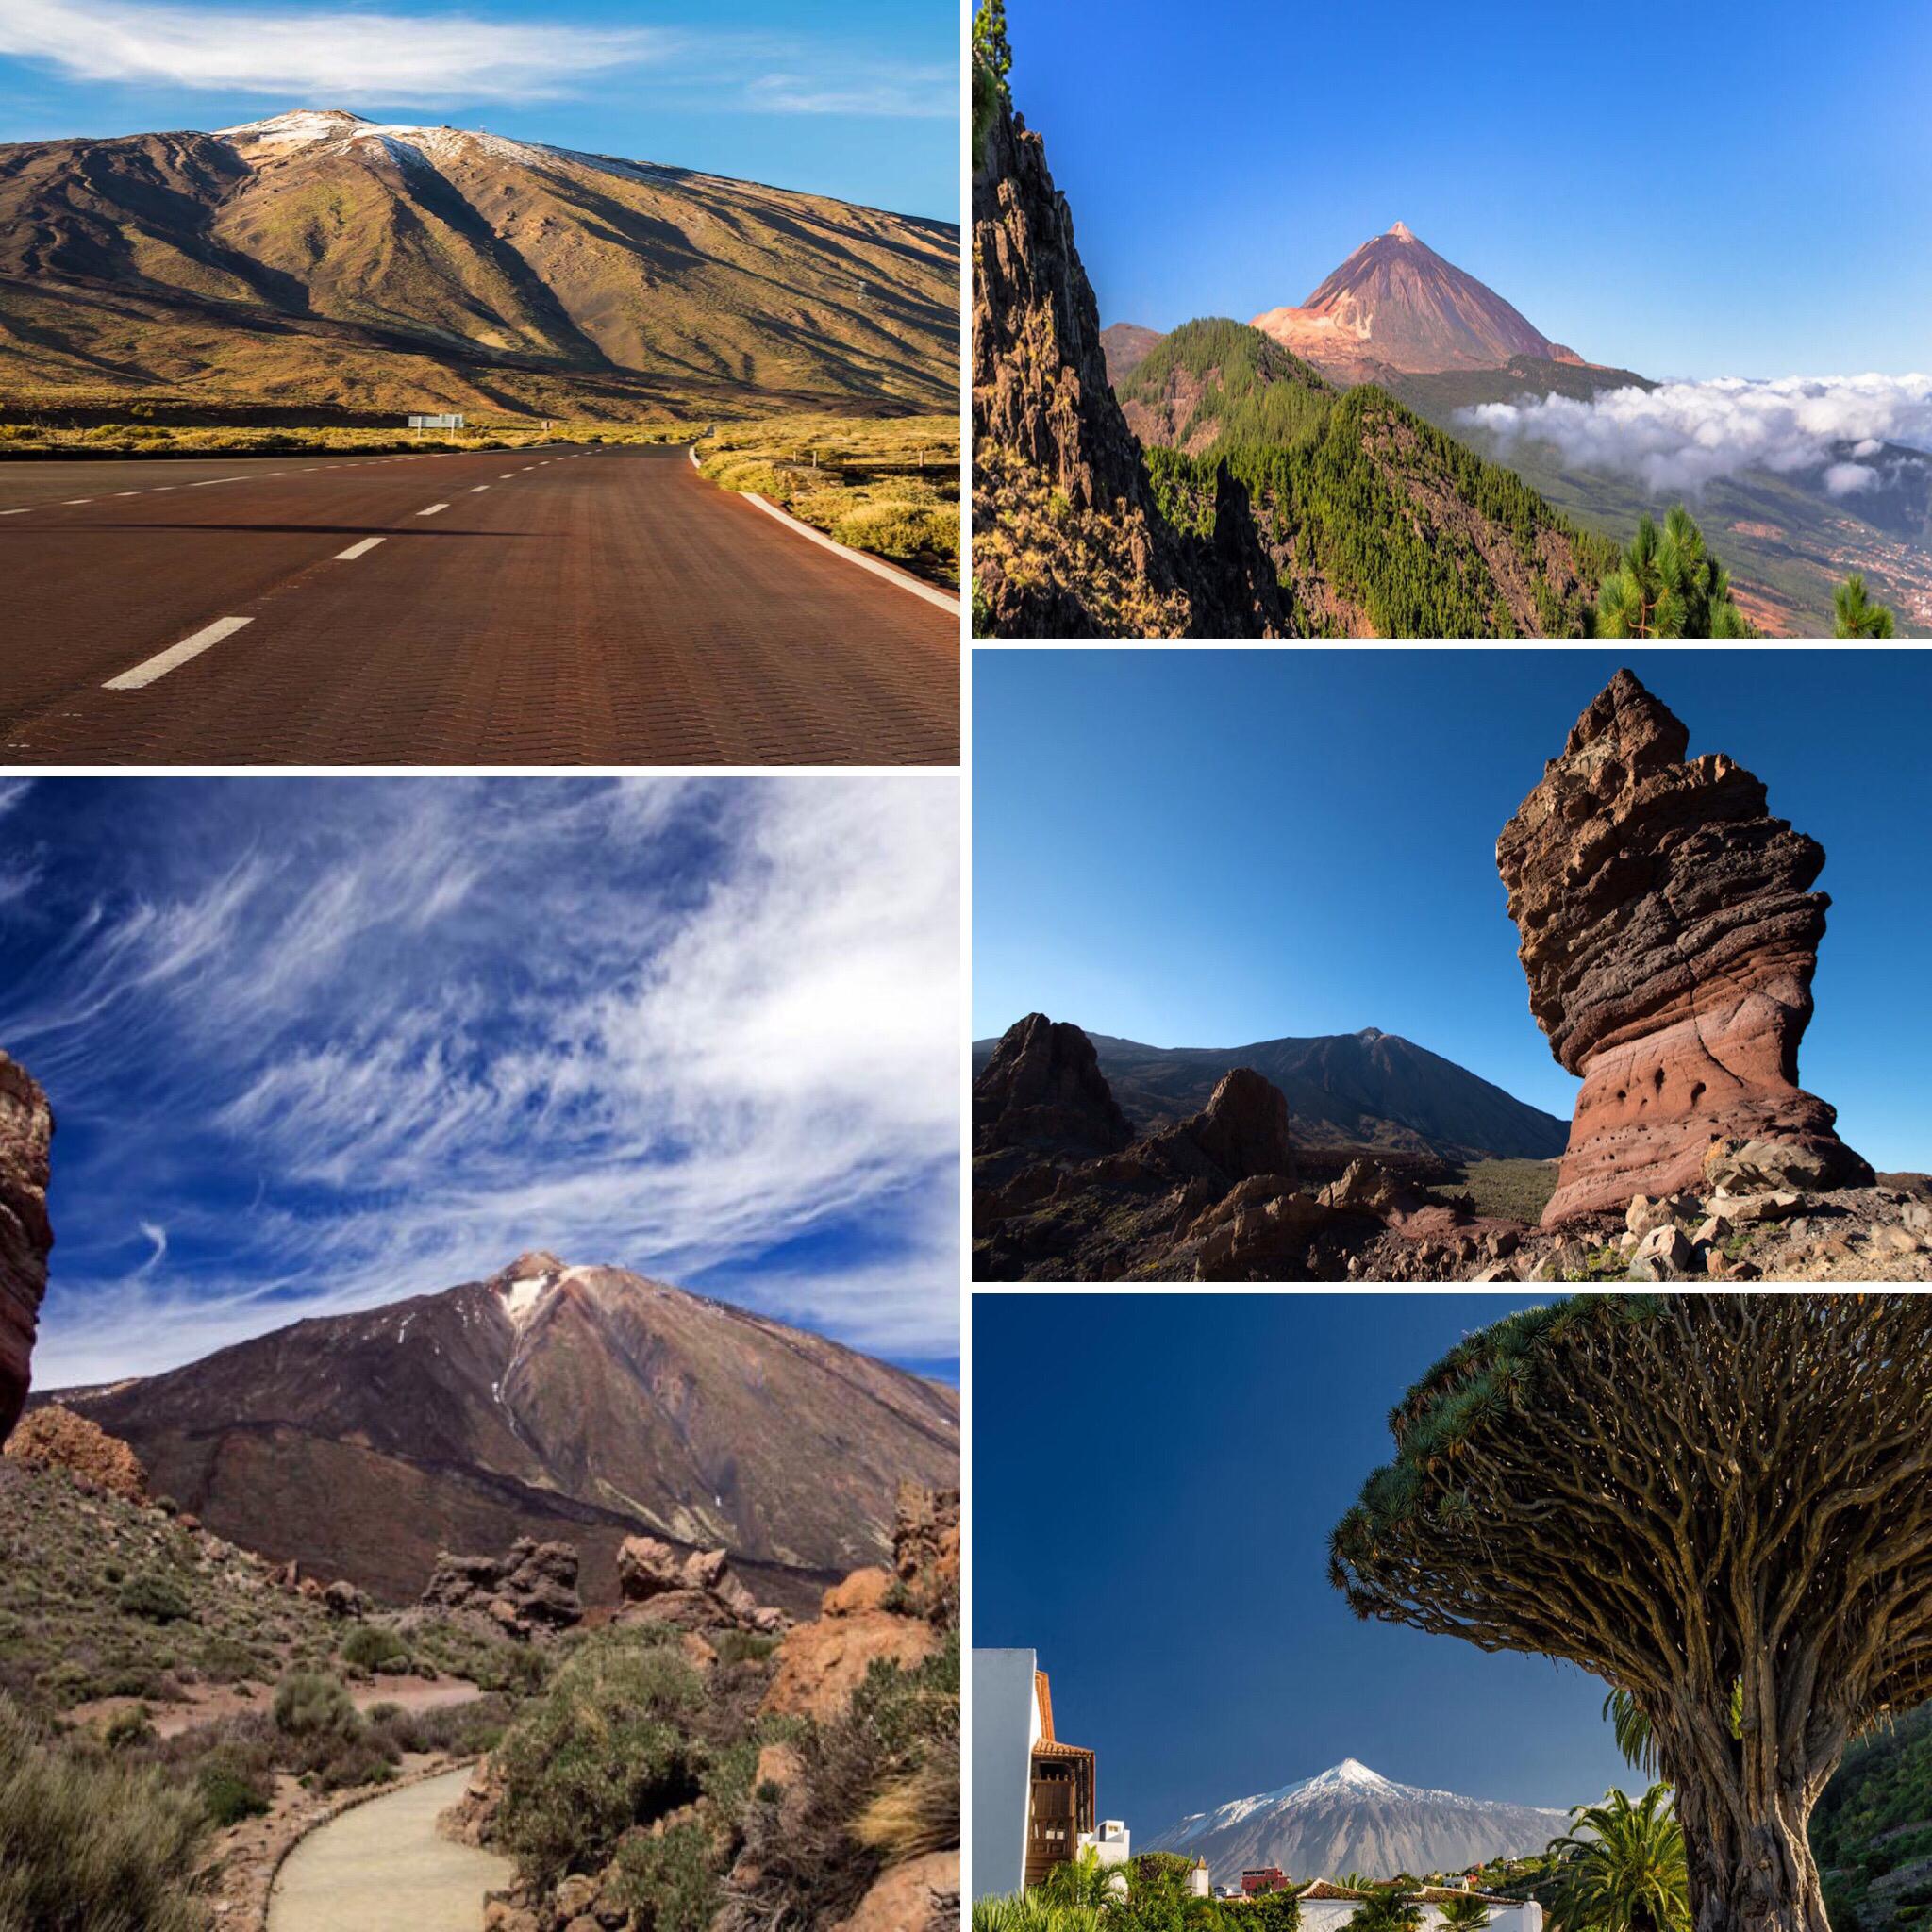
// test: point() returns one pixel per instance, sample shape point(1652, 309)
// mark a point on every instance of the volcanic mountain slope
point(1395, 303)
point(1125, 345)
point(319, 257)
point(1365, 1089)
point(575, 1401)
point(1351, 1819)
point(1377, 523)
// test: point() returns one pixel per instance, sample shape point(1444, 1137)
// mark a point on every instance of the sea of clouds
point(1681, 435)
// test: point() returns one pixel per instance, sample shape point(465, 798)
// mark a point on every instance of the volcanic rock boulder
point(1669, 937)
point(26, 1128)
point(53, 1437)
point(1051, 446)
point(1043, 1089)
point(534, 1588)
point(696, 1592)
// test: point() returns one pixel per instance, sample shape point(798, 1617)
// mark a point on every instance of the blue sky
point(860, 101)
point(320, 1045)
point(1732, 188)
point(1209, 848)
point(1175, 1586)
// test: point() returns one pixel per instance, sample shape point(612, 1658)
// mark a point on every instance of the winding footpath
point(382, 1866)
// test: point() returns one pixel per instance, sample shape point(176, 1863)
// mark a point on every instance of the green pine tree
point(1669, 585)
point(992, 60)
point(1857, 615)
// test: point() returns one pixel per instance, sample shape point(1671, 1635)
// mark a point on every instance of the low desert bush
point(370, 1646)
point(605, 1748)
point(309, 1704)
point(160, 1599)
point(669, 1882)
point(126, 1728)
point(876, 1785)
point(230, 1794)
point(91, 1847)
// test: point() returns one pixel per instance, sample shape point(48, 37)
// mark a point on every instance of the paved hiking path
point(381, 1867)
point(552, 606)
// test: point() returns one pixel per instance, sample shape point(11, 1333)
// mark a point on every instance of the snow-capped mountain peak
point(1352, 1819)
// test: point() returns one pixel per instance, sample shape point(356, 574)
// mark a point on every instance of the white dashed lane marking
point(165, 661)
point(356, 550)
point(432, 510)
point(480, 488)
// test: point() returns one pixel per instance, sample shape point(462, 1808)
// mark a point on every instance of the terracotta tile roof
point(1052, 1747)
point(1321, 1887)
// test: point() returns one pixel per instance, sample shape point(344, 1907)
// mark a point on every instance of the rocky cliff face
point(1043, 1088)
point(1669, 937)
point(26, 1128)
point(1067, 539)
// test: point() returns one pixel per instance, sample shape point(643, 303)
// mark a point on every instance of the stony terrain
point(574, 1404)
point(742, 1781)
point(26, 1128)
point(1057, 1195)
point(1068, 539)
point(318, 256)
point(1669, 938)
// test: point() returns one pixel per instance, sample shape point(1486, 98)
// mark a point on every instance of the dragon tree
point(1721, 1504)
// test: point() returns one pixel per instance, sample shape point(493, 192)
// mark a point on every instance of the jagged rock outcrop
point(695, 1592)
point(1068, 541)
point(534, 1588)
point(1212, 1197)
point(27, 1130)
point(53, 1437)
point(1669, 935)
point(1043, 1088)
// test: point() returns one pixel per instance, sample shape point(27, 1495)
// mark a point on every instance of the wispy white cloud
point(909, 92)
point(1682, 436)
point(708, 1031)
point(324, 56)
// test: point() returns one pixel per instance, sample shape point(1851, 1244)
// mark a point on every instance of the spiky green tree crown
point(1675, 1492)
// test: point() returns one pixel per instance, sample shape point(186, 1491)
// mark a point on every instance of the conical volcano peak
point(1351, 1771)
point(1396, 305)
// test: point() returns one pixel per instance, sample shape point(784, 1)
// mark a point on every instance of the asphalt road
point(552, 606)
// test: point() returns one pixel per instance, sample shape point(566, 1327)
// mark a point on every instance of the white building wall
point(1006, 1725)
point(1332, 1914)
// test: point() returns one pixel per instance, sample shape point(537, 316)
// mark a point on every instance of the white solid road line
point(165, 661)
point(432, 510)
point(356, 550)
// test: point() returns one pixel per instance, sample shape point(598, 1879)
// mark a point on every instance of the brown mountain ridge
point(317, 255)
point(580, 1403)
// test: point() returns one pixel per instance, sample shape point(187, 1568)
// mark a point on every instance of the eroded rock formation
point(1669, 935)
point(694, 1592)
point(26, 1128)
point(1058, 474)
point(56, 1438)
point(532, 1589)
point(1043, 1088)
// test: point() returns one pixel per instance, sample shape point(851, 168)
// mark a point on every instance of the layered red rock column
point(1669, 938)
point(26, 1128)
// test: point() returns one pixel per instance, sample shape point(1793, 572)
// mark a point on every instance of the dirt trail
point(381, 1867)
point(207, 1705)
